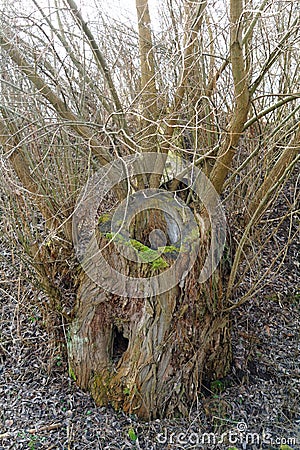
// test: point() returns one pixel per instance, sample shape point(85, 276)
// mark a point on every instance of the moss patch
point(145, 254)
point(104, 218)
point(72, 373)
point(148, 255)
point(159, 263)
point(139, 246)
point(100, 388)
point(169, 249)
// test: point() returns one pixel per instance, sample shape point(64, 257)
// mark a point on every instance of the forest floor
point(257, 406)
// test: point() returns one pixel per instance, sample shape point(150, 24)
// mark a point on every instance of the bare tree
point(212, 95)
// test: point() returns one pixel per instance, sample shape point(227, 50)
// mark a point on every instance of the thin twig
point(50, 427)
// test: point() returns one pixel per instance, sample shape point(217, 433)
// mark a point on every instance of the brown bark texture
point(150, 356)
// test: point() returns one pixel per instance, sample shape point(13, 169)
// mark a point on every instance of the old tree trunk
point(149, 350)
point(149, 356)
point(151, 322)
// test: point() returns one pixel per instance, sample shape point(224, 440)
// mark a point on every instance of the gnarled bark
point(150, 356)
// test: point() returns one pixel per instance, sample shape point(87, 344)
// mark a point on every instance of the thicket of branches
point(76, 94)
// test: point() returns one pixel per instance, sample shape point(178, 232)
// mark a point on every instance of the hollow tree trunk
point(149, 356)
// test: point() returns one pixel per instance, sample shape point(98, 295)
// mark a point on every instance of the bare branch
point(147, 63)
point(61, 36)
point(98, 56)
point(279, 168)
point(264, 112)
point(63, 111)
point(259, 206)
point(242, 98)
point(278, 50)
